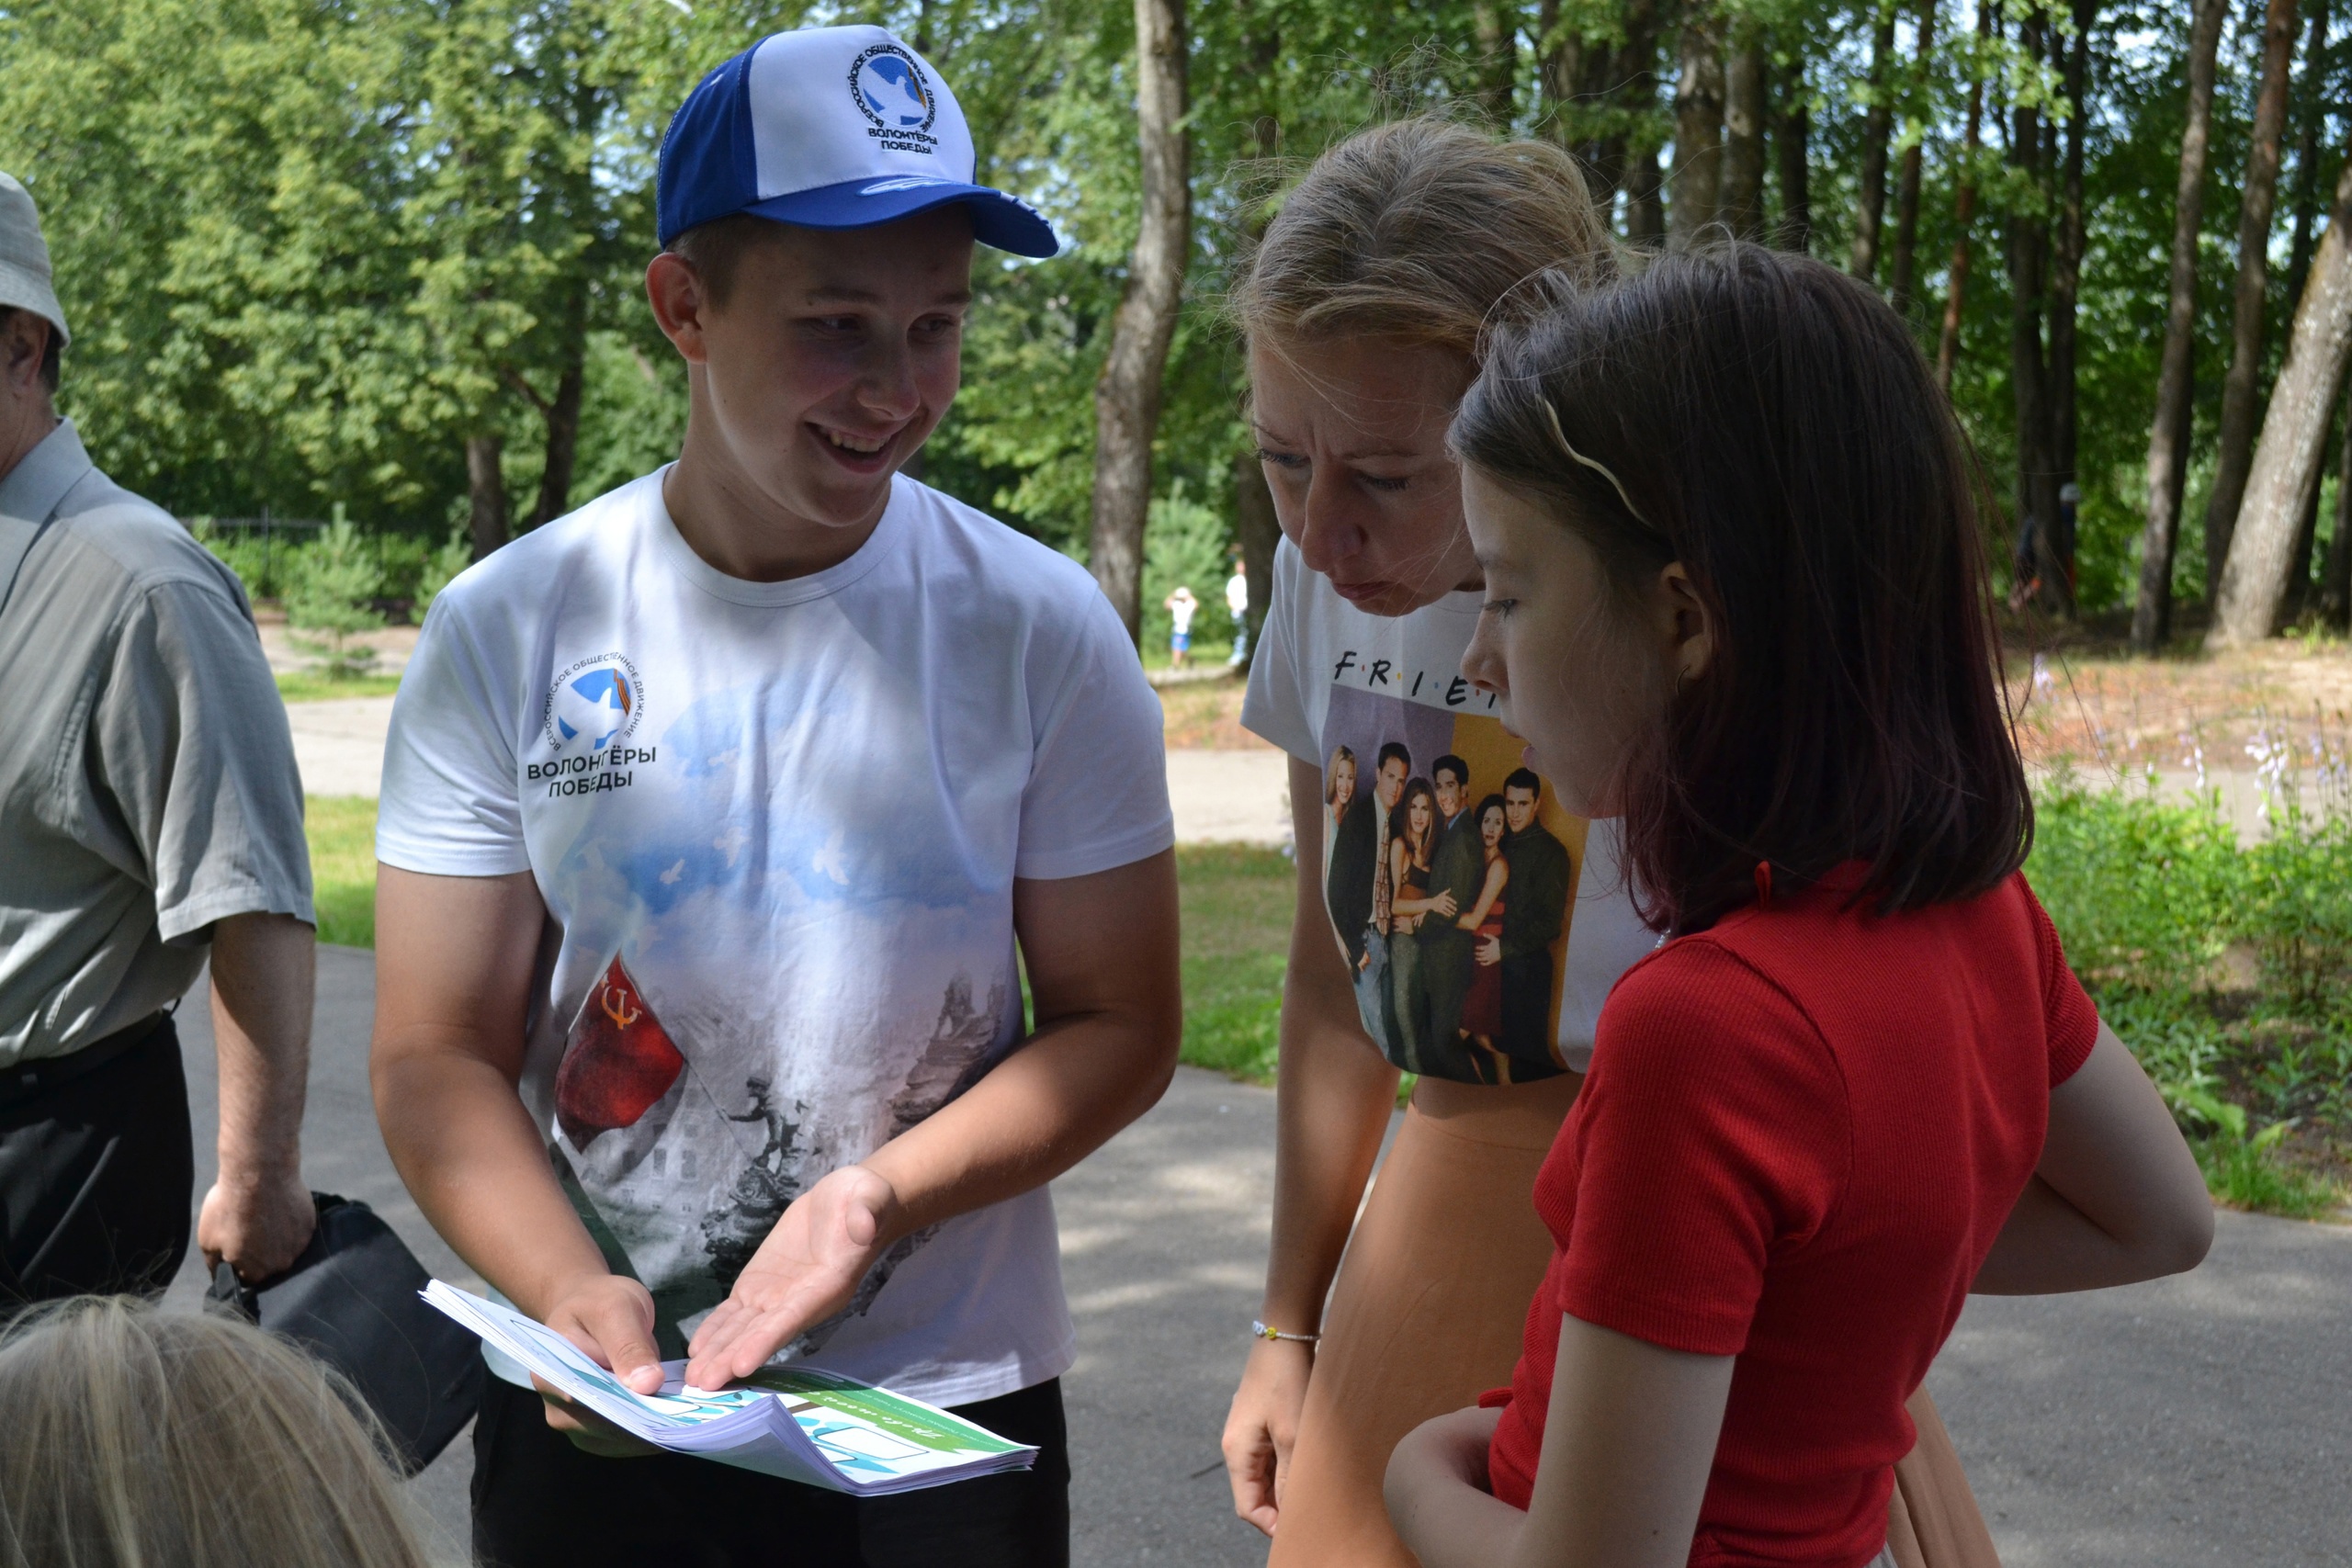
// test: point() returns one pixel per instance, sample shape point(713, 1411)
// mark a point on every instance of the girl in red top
point(1856, 1080)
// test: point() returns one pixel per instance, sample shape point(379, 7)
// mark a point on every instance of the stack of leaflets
point(811, 1427)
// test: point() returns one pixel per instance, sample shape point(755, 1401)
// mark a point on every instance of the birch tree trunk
point(2168, 434)
point(2294, 434)
point(1878, 123)
point(1745, 81)
point(2240, 393)
point(1697, 198)
point(1127, 394)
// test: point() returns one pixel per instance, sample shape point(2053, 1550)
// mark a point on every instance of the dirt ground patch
point(2082, 696)
point(1206, 716)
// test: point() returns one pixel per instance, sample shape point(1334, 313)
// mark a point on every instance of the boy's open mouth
point(859, 453)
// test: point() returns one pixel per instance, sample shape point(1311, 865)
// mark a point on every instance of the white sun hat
point(24, 258)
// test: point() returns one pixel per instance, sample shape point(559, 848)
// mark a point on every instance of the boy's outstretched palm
point(808, 1268)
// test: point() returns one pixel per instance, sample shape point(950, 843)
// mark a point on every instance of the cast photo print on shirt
point(1450, 874)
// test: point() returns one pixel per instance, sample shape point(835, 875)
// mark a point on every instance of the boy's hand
point(808, 1268)
point(611, 1319)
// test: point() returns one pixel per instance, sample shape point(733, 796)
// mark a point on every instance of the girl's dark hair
point(1769, 423)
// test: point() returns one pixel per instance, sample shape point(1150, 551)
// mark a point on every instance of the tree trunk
point(563, 442)
point(1878, 121)
point(1793, 143)
point(2029, 249)
point(1747, 83)
point(1963, 212)
point(2240, 390)
point(1496, 25)
point(1645, 202)
point(2313, 115)
point(2066, 250)
point(2285, 463)
point(2168, 432)
point(2336, 579)
point(1256, 531)
point(1902, 277)
point(1127, 395)
point(1698, 132)
point(486, 488)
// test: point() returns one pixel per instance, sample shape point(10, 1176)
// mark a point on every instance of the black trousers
point(97, 1174)
point(541, 1503)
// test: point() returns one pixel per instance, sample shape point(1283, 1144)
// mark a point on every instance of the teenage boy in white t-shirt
point(712, 815)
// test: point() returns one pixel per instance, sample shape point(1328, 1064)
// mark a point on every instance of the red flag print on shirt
point(617, 1062)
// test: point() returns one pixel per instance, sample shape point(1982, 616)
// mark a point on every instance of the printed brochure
point(802, 1424)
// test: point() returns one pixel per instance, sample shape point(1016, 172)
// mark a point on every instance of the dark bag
point(351, 1299)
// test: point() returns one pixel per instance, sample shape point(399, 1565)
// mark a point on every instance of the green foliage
point(328, 591)
point(342, 833)
point(1188, 544)
point(2150, 898)
point(439, 568)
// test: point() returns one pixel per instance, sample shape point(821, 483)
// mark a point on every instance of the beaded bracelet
point(1260, 1331)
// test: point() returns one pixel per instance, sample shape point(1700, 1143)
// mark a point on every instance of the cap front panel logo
point(891, 92)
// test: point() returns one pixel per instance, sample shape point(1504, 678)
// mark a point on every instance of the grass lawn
point(1237, 911)
point(305, 687)
point(341, 831)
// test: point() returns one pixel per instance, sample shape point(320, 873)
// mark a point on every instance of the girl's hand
point(1490, 952)
point(1443, 904)
point(1262, 1427)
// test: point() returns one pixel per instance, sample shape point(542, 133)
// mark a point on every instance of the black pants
point(96, 1174)
point(540, 1501)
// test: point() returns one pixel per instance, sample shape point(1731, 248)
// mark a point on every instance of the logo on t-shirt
point(595, 704)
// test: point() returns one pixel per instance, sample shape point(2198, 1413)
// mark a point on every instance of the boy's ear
point(680, 302)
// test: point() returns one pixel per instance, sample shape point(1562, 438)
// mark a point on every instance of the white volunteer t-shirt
point(776, 827)
point(1327, 677)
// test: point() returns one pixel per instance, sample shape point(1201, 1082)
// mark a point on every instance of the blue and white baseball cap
point(831, 128)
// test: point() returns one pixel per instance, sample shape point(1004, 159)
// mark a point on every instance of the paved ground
point(1219, 796)
point(2206, 1421)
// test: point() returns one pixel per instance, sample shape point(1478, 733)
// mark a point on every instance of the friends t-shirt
point(776, 826)
point(1482, 925)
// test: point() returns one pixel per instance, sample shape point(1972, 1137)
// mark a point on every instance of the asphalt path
point(2201, 1421)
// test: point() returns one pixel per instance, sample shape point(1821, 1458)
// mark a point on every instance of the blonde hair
point(1418, 230)
point(141, 1440)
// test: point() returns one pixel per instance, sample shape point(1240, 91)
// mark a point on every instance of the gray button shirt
point(147, 780)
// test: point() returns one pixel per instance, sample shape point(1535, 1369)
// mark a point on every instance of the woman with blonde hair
point(141, 1440)
point(1362, 308)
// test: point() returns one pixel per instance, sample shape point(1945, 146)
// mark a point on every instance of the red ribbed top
point(1803, 1130)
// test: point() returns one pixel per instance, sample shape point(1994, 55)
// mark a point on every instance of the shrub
point(329, 591)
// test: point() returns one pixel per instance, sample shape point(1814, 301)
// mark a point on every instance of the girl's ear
point(1690, 629)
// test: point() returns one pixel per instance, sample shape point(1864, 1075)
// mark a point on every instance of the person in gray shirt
point(150, 811)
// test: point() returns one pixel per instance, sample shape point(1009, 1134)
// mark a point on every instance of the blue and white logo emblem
point(891, 91)
point(595, 703)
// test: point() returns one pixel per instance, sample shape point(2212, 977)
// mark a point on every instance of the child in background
point(1726, 494)
point(1181, 607)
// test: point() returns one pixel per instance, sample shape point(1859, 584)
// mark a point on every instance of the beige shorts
point(1429, 1309)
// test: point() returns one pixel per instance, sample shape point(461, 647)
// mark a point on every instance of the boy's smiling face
point(832, 358)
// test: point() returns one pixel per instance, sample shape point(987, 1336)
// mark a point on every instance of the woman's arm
point(1629, 1439)
point(2117, 1198)
point(1496, 875)
point(1336, 1092)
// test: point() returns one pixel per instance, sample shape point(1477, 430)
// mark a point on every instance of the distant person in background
point(138, 1440)
point(153, 815)
point(1236, 603)
point(1181, 607)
